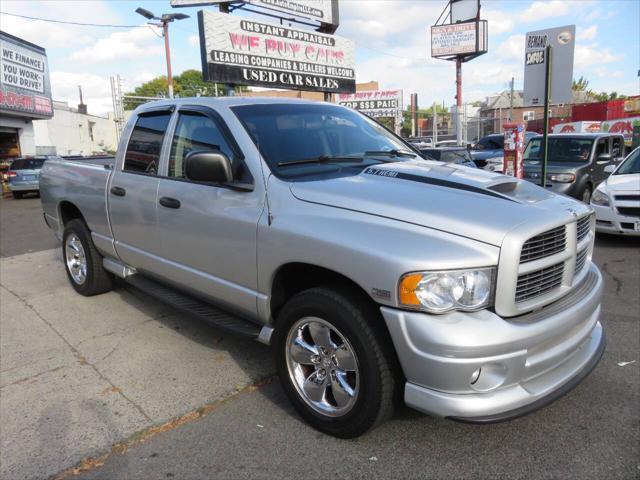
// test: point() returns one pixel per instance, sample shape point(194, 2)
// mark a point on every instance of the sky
point(391, 38)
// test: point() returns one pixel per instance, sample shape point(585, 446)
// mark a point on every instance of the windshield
point(27, 164)
point(494, 142)
point(572, 150)
point(448, 156)
point(288, 134)
point(631, 164)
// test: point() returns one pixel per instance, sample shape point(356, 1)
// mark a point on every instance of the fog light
point(488, 377)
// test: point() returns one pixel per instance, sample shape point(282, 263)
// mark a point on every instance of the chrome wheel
point(323, 366)
point(76, 259)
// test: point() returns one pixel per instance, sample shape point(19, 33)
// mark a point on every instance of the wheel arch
point(68, 211)
point(295, 277)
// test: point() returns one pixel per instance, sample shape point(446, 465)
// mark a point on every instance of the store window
point(528, 115)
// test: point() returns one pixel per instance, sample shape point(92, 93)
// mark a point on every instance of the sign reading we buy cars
point(240, 51)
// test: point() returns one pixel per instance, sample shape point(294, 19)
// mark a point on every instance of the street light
point(164, 20)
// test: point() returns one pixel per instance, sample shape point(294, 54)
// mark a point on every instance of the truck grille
point(544, 245)
point(631, 198)
point(582, 227)
point(629, 211)
point(539, 282)
point(581, 259)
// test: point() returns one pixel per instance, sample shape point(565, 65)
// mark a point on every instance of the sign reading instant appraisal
point(375, 103)
point(24, 78)
point(247, 52)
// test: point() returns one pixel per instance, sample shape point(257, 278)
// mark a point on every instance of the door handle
point(119, 191)
point(169, 202)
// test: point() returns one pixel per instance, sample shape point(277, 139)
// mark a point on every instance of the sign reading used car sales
point(246, 52)
point(562, 42)
point(24, 78)
point(375, 103)
point(324, 11)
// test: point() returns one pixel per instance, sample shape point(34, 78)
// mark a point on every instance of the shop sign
point(236, 50)
point(375, 103)
point(24, 78)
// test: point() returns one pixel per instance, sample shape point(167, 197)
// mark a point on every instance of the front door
point(603, 147)
point(208, 232)
point(133, 193)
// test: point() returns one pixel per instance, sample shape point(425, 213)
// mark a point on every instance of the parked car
point(420, 142)
point(374, 275)
point(23, 175)
point(456, 155)
point(616, 201)
point(488, 152)
point(576, 162)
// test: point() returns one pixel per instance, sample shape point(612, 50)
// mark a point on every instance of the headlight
point(442, 291)
point(600, 198)
point(562, 177)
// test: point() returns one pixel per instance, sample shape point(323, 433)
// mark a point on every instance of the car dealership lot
point(78, 375)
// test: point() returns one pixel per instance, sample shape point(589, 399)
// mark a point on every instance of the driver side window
point(195, 132)
point(602, 147)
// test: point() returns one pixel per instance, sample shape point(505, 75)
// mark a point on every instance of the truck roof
point(224, 101)
point(583, 135)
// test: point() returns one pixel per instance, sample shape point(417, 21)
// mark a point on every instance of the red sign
point(513, 149)
point(25, 103)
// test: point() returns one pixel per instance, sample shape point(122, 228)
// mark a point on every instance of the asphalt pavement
point(117, 386)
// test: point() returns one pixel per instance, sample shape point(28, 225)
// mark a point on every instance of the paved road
point(180, 400)
point(22, 228)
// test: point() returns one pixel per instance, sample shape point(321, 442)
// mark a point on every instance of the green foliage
point(582, 85)
point(188, 84)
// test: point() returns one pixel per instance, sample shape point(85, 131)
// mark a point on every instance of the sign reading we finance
point(240, 51)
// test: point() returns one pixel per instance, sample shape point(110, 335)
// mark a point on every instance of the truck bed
point(79, 181)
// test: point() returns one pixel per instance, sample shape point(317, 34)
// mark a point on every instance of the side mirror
point(208, 166)
point(609, 168)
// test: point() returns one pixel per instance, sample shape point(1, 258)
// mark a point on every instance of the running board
point(195, 307)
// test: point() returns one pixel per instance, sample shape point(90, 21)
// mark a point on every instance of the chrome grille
point(544, 245)
point(581, 259)
point(539, 282)
point(583, 227)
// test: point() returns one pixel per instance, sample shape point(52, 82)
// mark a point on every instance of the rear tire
point(83, 262)
point(17, 195)
point(348, 387)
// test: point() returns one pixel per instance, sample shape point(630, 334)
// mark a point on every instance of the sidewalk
point(80, 374)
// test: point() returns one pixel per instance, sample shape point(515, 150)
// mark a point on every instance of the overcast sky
point(392, 44)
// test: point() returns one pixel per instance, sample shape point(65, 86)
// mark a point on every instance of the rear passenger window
point(143, 151)
point(618, 147)
point(196, 133)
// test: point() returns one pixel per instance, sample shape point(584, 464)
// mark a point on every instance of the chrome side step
point(195, 307)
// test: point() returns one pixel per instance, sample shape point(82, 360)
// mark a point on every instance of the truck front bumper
point(479, 367)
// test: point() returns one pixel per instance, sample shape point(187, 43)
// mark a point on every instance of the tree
point(580, 85)
point(188, 84)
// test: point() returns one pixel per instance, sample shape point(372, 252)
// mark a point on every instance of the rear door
point(208, 231)
point(133, 190)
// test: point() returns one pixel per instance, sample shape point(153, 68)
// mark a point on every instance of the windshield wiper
point(391, 153)
point(324, 159)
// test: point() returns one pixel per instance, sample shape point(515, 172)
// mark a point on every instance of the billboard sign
point(24, 79)
point(375, 103)
point(459, 39)
point(562, 42)
point(324, 11)
point(246, 52)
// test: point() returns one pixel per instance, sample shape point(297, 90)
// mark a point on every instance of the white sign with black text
point(241, 51)
point(375, 103)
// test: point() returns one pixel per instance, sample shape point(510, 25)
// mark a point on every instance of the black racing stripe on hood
point(433, 181)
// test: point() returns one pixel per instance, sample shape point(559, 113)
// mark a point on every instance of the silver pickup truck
point(374, 273)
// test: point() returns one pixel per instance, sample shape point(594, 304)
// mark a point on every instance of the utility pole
point(458, 100)
point(511, 102)
point(164, 21)
point(435, 123)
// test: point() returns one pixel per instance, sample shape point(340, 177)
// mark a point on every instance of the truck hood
point(464, 201)
point(486, 154)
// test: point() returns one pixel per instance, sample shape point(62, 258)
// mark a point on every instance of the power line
point(73, 23)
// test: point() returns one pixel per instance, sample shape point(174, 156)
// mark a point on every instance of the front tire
point(335, 361)
point(83, 262)
point(586, 195)
point(17, 195)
